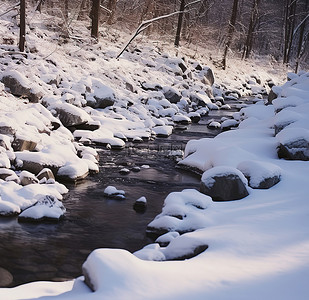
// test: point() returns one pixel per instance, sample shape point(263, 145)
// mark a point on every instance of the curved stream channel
point(56, 251)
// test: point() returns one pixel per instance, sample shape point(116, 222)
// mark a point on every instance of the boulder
point(46, 175)
point(20, 86)
point(172, 95)
point(209, 78)
point(27, 178)
point(260, 175)
point(71, 115)
point(293, 144)
point(224, 183)
point(8, 175)
point(48, 208)
point(271, 96)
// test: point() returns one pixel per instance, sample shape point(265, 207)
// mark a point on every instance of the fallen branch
point(145, 24)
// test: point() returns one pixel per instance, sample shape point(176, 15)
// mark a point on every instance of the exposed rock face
point(224, 184)
point(19, 89)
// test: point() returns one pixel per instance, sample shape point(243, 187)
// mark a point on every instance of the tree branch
point(10, 9)
point(145, 24)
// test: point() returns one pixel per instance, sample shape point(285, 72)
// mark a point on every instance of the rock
point(124, 171)
point(71, 115)
point(102, 102)
point(271, 96)
point(6, 278)
point(140, 205)
point(293, 144)
point(136, 169)
point(195, 117)
point(73, 172)
point(208, 78)
point(190, 254)
point(48, 208)
point(165, 239)
point(46, 175)
point(91, 126)
point(7, 130)
point(172, 95)
point(8, 175)
point(182, 66)
point(112, 192)
point(102, 95)
point(20, 144)
point(260, 175)
point(224, 183)
point(27, 178)
point(20, 86)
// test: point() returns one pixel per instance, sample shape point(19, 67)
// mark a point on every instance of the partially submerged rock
point(140, 204)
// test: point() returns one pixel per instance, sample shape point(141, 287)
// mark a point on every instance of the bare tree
point(230, 33)
point(179, 25)
point(22, 26)
point(95, 17)
point(112, 5)
point(252, 25)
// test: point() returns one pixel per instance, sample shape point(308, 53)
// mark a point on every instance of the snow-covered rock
point(47, 208)
point(260, 175)
point(224, 184)
point(112, 192)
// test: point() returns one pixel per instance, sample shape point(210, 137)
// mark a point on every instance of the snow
point(257, 247)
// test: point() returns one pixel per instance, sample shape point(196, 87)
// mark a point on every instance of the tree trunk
point(252, 24)
point(301, 38)
point(179, 25)
point(112, 5)
point(95, 16)
point(230, 33)
point(22, 26)
point(290, 11)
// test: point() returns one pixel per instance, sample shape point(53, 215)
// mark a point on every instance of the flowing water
point(56, 251)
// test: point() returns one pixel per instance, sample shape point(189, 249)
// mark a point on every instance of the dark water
point(56, 251)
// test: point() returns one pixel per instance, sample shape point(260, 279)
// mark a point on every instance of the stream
point(56, 251)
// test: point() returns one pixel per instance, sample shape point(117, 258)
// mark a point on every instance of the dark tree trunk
point(179, 25)
point(22, 28)
point(290, 11)
point(252, 24)
point(230, 32)
point(301, 38)
point(95, 16)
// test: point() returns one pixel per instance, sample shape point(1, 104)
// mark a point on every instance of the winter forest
point(154, 149)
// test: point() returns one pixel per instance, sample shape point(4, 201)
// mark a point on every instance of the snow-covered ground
point(257, 247)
